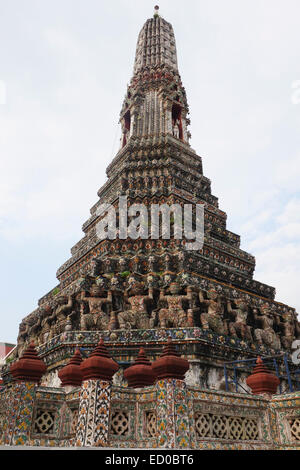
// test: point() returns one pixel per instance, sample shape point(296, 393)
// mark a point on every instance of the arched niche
point(177, 129)
point(126, 127)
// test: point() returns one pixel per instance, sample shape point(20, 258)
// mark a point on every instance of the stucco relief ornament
point(219, 289)
point(83, 281)
point(45, 332)
point(101, 282)
point(213, 319)
point(239, 327)
point(136, 315)
point(204, 285)
point(96, 318)
point(24, 332)
point(167, 279)
point(150, 280)
point(131, 281)
point(235, 294)
point(184, 279)
point(122, 264)
point(288, 329)
point(175, 315)
point(266, 335)
point(62, 307)
point(114, 282)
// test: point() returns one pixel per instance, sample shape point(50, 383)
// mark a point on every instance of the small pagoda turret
point(30, 368)
point(99, 365)
point(71, 374)
point(170, 365)
point(261, 381)
point(141, 373)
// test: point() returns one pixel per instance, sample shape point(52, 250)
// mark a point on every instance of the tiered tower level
point(142, 291)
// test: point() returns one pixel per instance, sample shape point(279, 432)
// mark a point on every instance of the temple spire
point(156, 45)
point(155, 104)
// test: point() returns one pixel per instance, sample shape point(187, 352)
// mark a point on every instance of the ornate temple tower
point(143, 291)
point(155, 103)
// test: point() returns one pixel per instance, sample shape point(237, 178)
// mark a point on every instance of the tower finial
point(156, 9)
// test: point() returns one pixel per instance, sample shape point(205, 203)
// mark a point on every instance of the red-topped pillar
point(93, 421)
point(170, 365)
point(140, 374)
point(99, 366)
point(261, 381)
point(30, 368)
point(71, 375)
point(172, 399)
point(27, 372)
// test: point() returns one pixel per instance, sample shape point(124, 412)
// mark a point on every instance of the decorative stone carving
point(62, 307)
point(288, 329)
point(175, 315)
point(119, 423)
point(96, 318)
point(295, 428)
point(266, 335)
point(214, 317)
point(225, 427)
point(239, 327)
point(23, 335)
point(45, 329)
point(136, 316)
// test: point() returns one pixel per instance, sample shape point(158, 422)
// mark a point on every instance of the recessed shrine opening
point(177, 121)
point(126, 128)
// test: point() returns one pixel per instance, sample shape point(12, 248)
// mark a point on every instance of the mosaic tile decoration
point(172, 414)
point(168, 415)
point(92, 429)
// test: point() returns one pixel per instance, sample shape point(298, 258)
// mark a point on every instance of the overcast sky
point(65, 65)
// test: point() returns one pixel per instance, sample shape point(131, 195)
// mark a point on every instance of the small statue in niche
point(175, 315)
point(288, 329)
point(266, 335)
point(125, 137)
point(96, 318)
point(213, 319)
point(239, 327)
point(176, 128)
point(137, 315)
